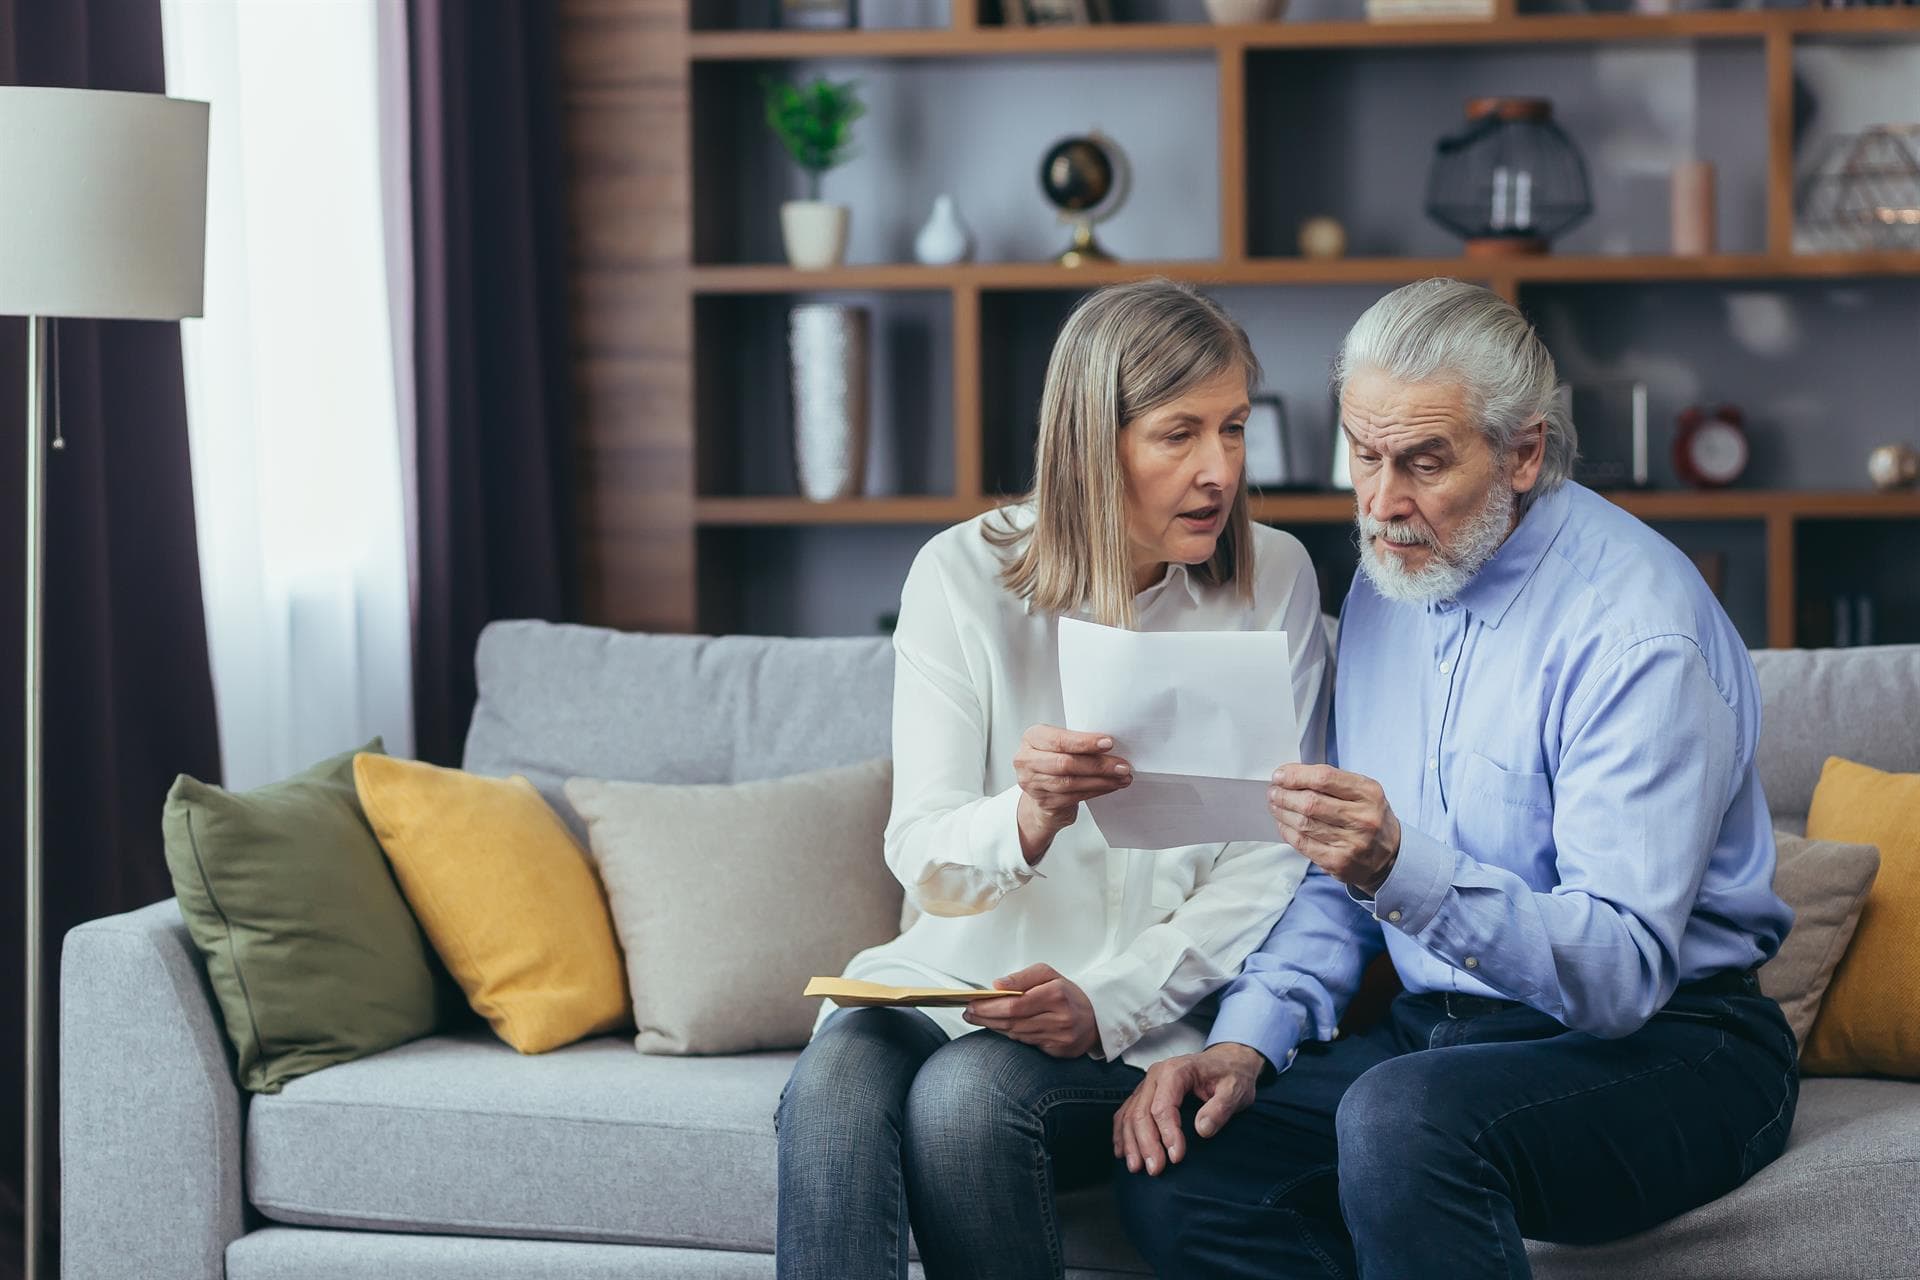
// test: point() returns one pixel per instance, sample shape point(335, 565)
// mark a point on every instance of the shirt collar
point(1491, 592)
point(1177, 575)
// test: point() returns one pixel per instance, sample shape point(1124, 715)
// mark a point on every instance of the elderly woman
point(964, 1124)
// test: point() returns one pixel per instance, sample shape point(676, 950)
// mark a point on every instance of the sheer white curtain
point(293, 414)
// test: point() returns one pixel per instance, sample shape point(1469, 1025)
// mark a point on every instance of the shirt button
point(1446, 668)
point(1473, 962)
point(1393, 917)
point(1433, 763)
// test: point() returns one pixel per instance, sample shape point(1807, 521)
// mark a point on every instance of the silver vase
point(827, 351)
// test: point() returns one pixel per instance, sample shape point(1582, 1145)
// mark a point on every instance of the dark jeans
point(886, 1121)
point(1435, 1142)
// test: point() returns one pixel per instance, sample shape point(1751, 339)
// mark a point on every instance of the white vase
point(827, 354)
point(815, 233)
point(1226, 12)
point(944, 240)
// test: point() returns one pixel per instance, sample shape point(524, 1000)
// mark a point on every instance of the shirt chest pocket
point(1503, 816)
point(1172, 884)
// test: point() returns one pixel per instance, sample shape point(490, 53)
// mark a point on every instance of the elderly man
point(1542, 804)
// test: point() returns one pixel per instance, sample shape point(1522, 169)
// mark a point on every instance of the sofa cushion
point(1825, 882)
point(309, 947)
point(559, 702)
point(508, 899)
point(461, 1135)
point(1816, 703)
point(728, 898)
point(1843, 1203)
point(1869, 1023)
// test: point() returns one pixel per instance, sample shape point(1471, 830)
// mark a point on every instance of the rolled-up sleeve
point(955, 850)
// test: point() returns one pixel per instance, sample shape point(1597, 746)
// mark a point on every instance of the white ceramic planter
point(815, 233)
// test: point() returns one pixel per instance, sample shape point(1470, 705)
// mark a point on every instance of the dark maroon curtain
point(128, 697)
point(493, 433)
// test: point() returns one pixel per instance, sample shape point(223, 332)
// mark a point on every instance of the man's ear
point(1528, 457)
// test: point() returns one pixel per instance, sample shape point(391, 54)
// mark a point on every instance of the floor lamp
point(104, 218)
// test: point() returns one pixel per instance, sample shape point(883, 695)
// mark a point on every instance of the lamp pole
point(36, 563)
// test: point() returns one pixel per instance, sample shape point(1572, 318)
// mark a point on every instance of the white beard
point(1448, 569)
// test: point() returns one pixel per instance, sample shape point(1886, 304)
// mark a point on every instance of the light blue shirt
point(1569, 749)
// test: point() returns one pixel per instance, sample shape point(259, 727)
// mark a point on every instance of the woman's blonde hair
point(1125, 351)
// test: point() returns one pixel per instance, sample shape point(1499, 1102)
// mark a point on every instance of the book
point(851, 993)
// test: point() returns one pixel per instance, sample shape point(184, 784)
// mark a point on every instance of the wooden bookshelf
point(1177, 39)
point(653, 542)
point(1331, 507)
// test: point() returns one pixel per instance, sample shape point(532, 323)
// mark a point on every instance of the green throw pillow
point(312, 952)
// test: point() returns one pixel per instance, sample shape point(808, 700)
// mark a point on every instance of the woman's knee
point(978, 1093)
point(857, 1070)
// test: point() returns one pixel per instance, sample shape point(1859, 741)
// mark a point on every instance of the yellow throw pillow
point(1869, 1023)
point(504, 894)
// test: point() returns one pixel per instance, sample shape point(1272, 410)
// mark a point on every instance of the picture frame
point(1610, 417)
point(1270, 459)
point(1054, 13)
point(817, 15)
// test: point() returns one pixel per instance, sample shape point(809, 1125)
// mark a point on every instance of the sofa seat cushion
point(593, 1142)
point(1844, 1201)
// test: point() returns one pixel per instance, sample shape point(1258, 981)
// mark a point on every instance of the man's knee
point(1400, 1125)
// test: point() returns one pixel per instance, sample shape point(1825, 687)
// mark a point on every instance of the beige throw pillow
point(1826, 884)
point(728, 898)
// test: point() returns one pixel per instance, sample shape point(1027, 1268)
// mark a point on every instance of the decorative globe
point(1077, 174)
point(1086, 177)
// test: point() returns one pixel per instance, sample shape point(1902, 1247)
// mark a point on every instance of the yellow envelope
point(852, 993)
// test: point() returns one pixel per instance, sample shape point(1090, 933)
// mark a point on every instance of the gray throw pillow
point(1826, 884)
point(728, 898)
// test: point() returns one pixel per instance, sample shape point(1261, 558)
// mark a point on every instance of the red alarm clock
point(1711, 449)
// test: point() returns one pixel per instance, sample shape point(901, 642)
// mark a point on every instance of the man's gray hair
point(1450, 331)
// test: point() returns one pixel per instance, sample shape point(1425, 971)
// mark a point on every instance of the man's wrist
point(1241, 1058)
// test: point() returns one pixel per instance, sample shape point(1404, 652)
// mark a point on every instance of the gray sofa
point(456, 1157)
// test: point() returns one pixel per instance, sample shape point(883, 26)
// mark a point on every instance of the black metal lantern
point(1509, 182)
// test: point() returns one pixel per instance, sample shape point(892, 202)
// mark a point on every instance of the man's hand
point(1146, 1129)
point(1054, 1015)
point(1340, 821)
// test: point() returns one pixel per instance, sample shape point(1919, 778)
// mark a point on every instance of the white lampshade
point(103, 204)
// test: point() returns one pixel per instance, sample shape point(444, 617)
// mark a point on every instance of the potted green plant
point(814, 122)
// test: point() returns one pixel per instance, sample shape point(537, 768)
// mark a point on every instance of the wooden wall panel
point(626, 97)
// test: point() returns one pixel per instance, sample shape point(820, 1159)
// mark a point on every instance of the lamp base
point(1506, 246)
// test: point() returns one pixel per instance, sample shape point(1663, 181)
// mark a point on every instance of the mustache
point(1402, 533)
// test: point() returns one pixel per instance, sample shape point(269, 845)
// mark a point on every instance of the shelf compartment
point(1352, 135)
point(914, 145)
point(742, 404)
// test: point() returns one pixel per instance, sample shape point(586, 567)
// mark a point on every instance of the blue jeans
point(1434, 1143)
point(885, 1121)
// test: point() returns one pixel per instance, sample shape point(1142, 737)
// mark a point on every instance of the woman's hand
point(1054, 1015)
point(1057, 769)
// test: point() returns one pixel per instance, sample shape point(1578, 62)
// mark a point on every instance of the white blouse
point(1147, 934)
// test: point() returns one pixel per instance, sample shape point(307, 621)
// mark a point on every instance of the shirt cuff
point(1416, 887)
point(994, 837)
point(1126, 1000)
point(1254, 1018)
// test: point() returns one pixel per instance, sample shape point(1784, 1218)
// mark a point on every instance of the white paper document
point(1204, 718)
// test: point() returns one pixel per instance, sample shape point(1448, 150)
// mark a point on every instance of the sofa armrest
point(150, 1113)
